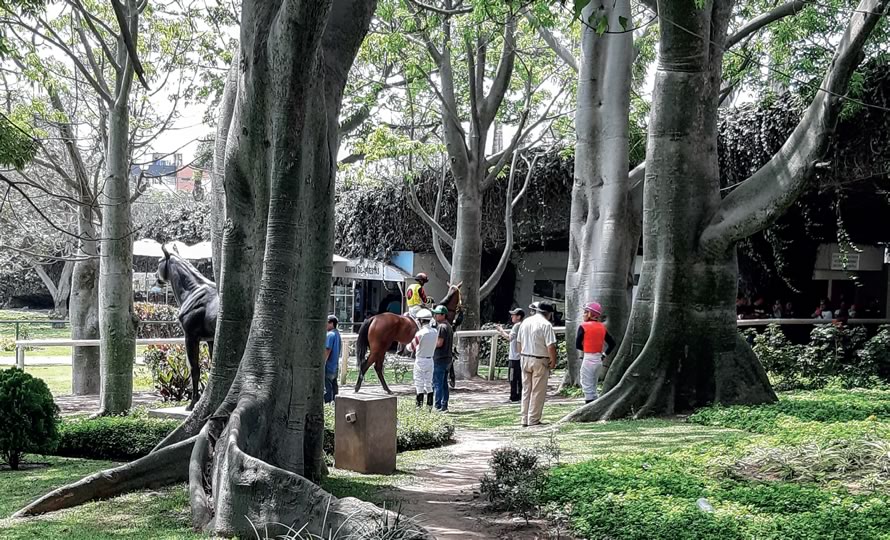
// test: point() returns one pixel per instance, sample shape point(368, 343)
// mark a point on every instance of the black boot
point(429, 400)
point(419, 400)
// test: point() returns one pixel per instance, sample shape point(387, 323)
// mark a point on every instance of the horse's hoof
point(389, 392)
point(189, 407)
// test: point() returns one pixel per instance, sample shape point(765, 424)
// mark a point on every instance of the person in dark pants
point(442, 358)
point(332, 346)
point(514, 370)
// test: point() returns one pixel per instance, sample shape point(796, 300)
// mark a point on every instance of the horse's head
point(163, 273)
point(453, 301)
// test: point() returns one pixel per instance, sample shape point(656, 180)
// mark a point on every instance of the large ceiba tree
point(681, 348)
point(253, 446)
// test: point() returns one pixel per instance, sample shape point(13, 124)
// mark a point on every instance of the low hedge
point(115, 437)
point(124, 438)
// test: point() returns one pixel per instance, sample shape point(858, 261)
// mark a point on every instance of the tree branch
point(553, 42)
point(510, 202)
point(437, 245)
point(44, 277)
point(442, 11)
point(762, 198)
point(415, 205)
point(755, 24)
point(129, 42)
point(492, 102)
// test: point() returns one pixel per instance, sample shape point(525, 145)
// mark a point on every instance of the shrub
point(518, 477)
point(170, 370)
point(416, 429)
point(120, 438)
point(28, 416)
point(146, 311)
point(837, 354)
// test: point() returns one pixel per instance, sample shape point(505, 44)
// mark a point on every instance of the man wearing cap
point(514, 369)
point(415, 296)
point(537, 350)
point(595, 342)
point(332, 346)
point(424, 346)
point(442, 357)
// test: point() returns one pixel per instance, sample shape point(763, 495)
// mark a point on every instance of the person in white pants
point(595, 342)
point(424, 346)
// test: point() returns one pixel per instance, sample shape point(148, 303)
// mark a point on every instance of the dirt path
point(445, 497)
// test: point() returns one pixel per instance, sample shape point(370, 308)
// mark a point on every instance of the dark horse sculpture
point(381, 331)
point(198, 301)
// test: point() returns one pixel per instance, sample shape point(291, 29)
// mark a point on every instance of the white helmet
point(424, 315)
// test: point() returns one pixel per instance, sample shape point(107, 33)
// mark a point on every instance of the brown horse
point(381, 331)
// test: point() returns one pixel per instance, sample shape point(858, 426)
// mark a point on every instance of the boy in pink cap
point(594, 341)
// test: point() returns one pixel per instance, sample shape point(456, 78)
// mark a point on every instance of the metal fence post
point(493, 356)
point(17, 331)
point(20, 357)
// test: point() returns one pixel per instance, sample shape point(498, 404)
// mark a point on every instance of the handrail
point(788, 322)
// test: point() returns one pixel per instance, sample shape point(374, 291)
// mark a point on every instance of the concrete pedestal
point(365, 433)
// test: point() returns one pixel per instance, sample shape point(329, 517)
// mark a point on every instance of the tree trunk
point(467, 268)
point(602, 240)
point(85, 379)
point(63, 291)
point(253, 462)
point(682, 349)
point(117, 320)
point(239, 206)
point(217, 186)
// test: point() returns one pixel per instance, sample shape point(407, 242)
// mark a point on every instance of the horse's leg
point(362, 371)
point(193, 352)
point(451, 375)
point(210, 350)
point(378, 367)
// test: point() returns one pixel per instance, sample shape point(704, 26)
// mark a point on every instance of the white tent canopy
point(149, 248)
point(343, 267)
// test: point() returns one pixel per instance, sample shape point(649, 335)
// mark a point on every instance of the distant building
point(166, 171)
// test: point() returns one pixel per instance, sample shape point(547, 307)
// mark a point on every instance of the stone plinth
point(365, 433)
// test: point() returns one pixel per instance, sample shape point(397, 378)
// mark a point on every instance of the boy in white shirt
point(424, 346)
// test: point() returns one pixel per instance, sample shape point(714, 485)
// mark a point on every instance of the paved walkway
point(89, 404)
point(445, 497)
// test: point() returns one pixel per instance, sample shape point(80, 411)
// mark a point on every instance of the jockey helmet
point(594, 308)
point(424, 315)
point(422, 278)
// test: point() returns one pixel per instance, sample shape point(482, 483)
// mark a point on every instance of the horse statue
point(198, 301)
point(381, 331)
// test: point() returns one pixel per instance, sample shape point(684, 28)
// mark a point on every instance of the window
point(342, 299)
point(548, 288)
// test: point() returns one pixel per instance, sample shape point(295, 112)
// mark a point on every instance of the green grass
point(642, 480)
point(58, 378)
point(161, 514)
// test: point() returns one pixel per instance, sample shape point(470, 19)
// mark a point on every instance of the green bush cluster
point(28, 416)
point(837, 354)
point(146, 311)
point(170, 371)
point(658, 497)
point(133, 436)
point(121, 438)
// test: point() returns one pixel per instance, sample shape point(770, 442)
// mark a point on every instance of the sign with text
point(361, 269)
point(838, 261)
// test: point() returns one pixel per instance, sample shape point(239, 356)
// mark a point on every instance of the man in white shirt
point(424, 346)
point(537, 350)
point(514, 369)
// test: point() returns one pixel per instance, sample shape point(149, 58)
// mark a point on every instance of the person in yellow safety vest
point(416, 297)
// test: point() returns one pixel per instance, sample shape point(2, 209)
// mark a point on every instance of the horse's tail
point(361, 342)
